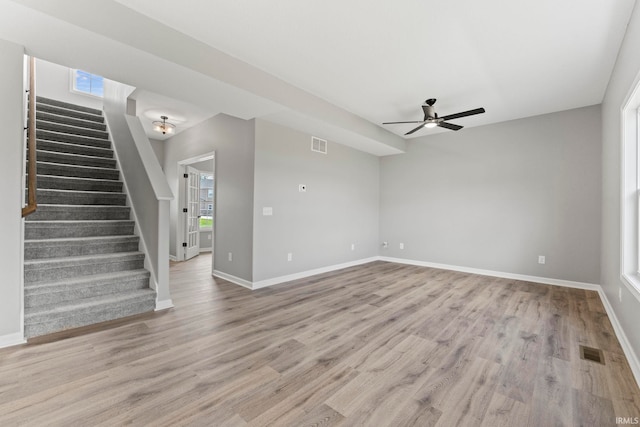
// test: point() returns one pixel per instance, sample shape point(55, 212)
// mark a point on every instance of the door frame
point(180, 223)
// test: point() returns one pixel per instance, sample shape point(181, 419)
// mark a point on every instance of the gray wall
point(158, 150)
point(622, 80)
point(495, 197)
point(233, 141)
point(11, 185)
point(340, 206)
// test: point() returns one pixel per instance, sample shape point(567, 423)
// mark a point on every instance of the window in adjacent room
point(206, 201)
point(87, 83)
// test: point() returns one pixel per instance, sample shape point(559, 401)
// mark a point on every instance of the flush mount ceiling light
point(163, 126)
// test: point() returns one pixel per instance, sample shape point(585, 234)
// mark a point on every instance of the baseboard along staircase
point(82, 263)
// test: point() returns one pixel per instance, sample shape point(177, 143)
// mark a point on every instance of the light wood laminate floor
point(377, 345)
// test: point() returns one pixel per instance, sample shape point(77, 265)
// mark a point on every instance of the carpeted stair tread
point(76, 228)
point(79, 288)
point(48, 212)
point(61, 111)
point(73, 197)
point(77, 246)
point(88, 311)
point(72, 139)
point(70, 148)
point(69, 121)
point(52, 182)
point(93, 280)
point(74, 159)
point(72, 130)
point(67, 105)
point(54, 269)
point(79, 171)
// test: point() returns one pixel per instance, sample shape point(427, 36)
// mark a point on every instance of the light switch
point(267, 211)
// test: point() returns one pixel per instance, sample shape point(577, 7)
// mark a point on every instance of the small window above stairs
point(82, 264)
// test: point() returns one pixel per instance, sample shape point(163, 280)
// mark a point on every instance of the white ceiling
point(381, 59)
point(150, 106)
point(337, 69)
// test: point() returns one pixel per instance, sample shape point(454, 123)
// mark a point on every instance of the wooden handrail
point(31, 143)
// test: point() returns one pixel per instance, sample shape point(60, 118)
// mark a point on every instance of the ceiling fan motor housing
point(429, 112)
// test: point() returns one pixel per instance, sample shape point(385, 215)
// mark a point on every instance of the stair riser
point(33, 231)
point(55, 127)
point(82, 150)
point(40, 100)
point(42, 251)
point(46, 326)
point(69, 113)
point(72, 139)
point(80, 213)
point(62, 296)
point(70, 121)
point(71, 198)
point(47, 182)
point(32, 275)
point(78, 172)
point(70, 159)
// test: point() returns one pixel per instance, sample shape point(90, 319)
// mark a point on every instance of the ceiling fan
point(432, 120)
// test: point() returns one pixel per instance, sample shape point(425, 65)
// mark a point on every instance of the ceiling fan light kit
point(432, 120)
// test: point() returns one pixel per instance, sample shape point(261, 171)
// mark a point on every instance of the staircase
point(82, 264)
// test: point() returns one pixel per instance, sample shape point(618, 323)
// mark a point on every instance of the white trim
point(12, 339)
point(631, 356)
point(526, 278)
point(233, 279)
point(303, 274)
point(206, 250)
point(629, 245)
point(164, 304)
point(173, 258)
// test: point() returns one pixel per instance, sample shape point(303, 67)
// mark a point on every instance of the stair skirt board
point(82, 259)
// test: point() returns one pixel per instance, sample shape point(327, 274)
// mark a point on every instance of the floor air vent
point(318, 145)
point(592, 354)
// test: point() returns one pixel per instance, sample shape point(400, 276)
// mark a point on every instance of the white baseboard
point(632, 358)
point(12, 339)
point(523, 277)
point(303, 274)
point(233, 279)
point(173, 258)
point(164, 304)
point(206, 250)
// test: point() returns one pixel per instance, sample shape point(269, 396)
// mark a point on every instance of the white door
point(192, 215)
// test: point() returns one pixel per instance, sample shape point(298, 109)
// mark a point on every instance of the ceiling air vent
point(318, 145)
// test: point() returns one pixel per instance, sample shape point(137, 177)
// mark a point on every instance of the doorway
point(196, 207)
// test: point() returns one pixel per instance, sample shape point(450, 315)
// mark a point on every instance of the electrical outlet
point(230, 256)
point(289, 256)
point(541, 259)
point(620, 293)
point(353, 246)
point(401, 245)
